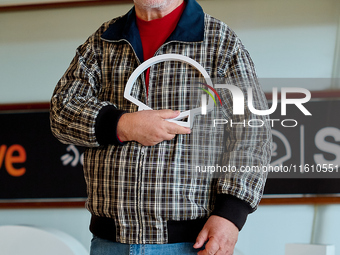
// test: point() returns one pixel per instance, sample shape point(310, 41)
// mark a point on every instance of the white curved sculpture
point(169, 57)
point(25, 240)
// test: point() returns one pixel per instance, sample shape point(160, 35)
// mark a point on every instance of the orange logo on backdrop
point(13, 155)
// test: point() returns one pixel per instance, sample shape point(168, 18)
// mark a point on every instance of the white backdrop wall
point(286, 39)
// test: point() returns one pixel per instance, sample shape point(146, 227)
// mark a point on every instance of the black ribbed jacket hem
point(178, 231)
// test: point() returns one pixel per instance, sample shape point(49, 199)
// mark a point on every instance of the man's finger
point(169, 137)
point(201, 239)
point(176, 129)
point(210, 248)
point(173, 128)
point(168, 114)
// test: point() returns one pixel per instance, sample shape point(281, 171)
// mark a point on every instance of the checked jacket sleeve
point(247, 147)
point(77, 115)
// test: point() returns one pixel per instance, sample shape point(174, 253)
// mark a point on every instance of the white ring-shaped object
point(169, 57)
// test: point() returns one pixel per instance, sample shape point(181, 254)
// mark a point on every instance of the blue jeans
point(105, 247)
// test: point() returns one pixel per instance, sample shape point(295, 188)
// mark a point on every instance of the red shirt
point(154, 33)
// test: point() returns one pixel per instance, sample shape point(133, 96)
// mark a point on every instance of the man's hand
point(221, 235)
point(149, 127)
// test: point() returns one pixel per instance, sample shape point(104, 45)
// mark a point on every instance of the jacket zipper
point(139, 196)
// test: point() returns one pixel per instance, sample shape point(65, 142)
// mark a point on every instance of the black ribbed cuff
point(106, 125)
point(232, 208)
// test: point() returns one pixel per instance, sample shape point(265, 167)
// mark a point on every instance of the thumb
point(168, 114)
point(201, 239)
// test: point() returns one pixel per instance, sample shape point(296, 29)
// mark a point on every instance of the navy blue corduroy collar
point(190, 28)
